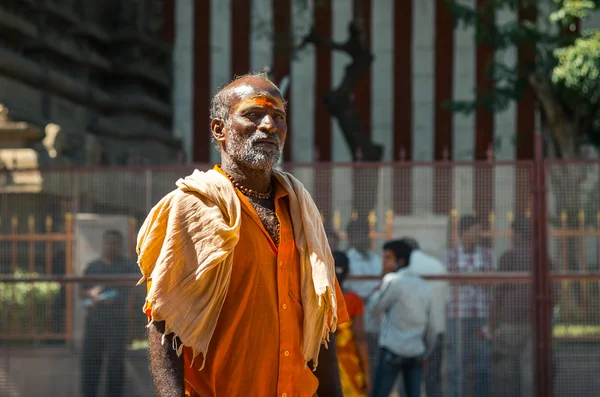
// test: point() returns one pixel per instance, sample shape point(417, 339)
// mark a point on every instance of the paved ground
point(577, 373)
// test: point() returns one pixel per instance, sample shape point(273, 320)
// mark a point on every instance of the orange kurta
point(256, 348)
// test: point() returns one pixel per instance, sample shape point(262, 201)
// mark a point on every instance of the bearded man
point(241, 282)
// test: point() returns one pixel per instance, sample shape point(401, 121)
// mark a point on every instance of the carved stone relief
point(154, 18)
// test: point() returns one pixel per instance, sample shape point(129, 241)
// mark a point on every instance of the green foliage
point(24, 305)
point(569, 11)
point(570, 62)
point(578, 70)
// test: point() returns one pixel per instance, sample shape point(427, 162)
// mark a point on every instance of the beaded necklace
point(261, 210)
point(248, 191)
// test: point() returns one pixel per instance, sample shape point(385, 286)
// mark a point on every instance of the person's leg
point(373, 351)
point(387, 370)
point(506, 375)
point(115, 349)
point(482, 366)
point(457, 368)
point(433, 371)
point(506, 350)
point(411, 371)
point(526, 367)
point(91, 359)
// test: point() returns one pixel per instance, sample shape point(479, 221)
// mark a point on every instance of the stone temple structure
point(83, 83)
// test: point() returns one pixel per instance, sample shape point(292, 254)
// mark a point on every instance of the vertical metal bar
point(492, 228)
point(69, 271)
point(13, 247)
point(49, 307)
point(31, 268)
point(598, 237)
point(31, 245)
point(583, 284)
point(564, 259)
point(148, 190)
point(541, 276)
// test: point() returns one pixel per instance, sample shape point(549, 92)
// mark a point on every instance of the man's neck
point(258, 180)
point(469, 248)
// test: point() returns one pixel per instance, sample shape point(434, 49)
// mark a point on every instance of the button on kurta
point(286, 353)
point(284, 306)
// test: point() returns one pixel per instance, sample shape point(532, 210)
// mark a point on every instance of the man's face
point(472, 235)
point(390, 263)
point(255, 133)
point(359, 239)
point(112, 246)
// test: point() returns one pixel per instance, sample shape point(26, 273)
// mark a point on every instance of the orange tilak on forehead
point(260, 101)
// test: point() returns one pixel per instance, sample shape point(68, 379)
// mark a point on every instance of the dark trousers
point(433, 371)
point(103, 339)
point(390, 365)
point(470, 358)
point(373, 350)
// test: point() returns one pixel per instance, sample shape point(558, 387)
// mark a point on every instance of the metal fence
point(49, 234)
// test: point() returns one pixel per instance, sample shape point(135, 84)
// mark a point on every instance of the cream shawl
point(186, 247)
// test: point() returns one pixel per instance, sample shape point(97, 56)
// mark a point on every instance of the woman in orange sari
point(351, 342)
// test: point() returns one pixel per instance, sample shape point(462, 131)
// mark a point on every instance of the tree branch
point(314, 38)
point(542, 88)
point(587, 121)
point(553, 111)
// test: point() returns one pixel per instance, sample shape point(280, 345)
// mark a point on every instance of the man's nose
point(267, 124)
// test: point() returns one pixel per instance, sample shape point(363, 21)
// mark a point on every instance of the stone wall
point(102, 74)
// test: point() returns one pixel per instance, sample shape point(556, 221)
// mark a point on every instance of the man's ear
point(217, 128)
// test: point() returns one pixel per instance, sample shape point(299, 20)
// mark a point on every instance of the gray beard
point(245, 151)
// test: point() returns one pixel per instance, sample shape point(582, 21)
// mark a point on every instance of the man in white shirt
point(408, 333)
point(364, 262)
point(422, 264)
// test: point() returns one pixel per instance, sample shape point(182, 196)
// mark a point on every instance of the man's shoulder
point(424, 287)
point(410, 280)
point(352, 253)
point(176, 201)
point(375, 257)
point(129, 265)
point(94, 266)
point(428, 263)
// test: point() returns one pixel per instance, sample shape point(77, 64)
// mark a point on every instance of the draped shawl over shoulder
point(186, 246)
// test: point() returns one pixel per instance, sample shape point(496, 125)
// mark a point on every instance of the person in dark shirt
point(106, 319)
point(513, 349)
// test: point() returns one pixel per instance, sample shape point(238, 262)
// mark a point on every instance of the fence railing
point(20, 305)
point(422, 200)
point(30, 240)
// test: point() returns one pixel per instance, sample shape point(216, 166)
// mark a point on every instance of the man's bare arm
point(167, 367)
point(328, 371)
